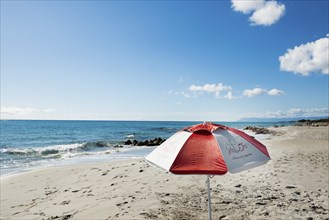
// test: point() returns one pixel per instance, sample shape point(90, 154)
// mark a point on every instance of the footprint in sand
point(121, 204)
point(65, 202)
point(87, 191)
point(50, 192)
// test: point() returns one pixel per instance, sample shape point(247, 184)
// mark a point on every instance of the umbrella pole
point(209, 199)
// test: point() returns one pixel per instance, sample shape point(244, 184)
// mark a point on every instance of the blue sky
point(164, 60)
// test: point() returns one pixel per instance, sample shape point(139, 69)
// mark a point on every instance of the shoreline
point(101, 158)
point(129, 149)
point(293, 184)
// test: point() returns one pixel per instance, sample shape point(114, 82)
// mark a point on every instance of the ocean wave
point(167, 129)
point(95, 144)
point(27, 157)
point(130, 136)
point(57, 150)
point(39, 151)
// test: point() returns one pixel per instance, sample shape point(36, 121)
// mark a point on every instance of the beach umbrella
point(209, 149)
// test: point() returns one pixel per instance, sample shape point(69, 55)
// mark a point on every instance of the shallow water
point(26, 144)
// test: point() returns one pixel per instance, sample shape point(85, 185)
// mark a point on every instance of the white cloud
point(307, 58)
point(258, 91)
point(16, 110)
point(296, 112)
point(253, 92)
point(210, 88)
point(216, 89)
point(21, 111)
point(275, 92)
point(277, 114)
point(246, 6)
point(229, 95)
point(308, 112)
point(268, 15)
point(222, 91)
point(264, 13)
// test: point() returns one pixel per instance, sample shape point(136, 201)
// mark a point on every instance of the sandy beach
point(293, 185)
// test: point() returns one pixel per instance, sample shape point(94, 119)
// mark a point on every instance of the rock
point(152, 142)
point(128, 142)
point(291, 187)
point(141, 143)
point(313, 123)
point(238, 186)
point(258, 130)
point(155, 142)
point(118, 146)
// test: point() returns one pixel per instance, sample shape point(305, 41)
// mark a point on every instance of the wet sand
point(294, 184)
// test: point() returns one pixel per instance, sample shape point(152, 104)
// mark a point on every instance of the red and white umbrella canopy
point(210, 149)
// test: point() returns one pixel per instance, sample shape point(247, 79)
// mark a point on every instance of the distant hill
point(279, 119)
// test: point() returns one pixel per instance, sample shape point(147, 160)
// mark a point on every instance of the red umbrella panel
point(209, 148)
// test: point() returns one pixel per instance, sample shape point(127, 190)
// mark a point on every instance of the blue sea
point(27, 144)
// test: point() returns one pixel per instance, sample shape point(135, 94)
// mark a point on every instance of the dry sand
point(293, 185)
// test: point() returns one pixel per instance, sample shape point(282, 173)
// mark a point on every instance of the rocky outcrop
point(258, 130)
point(313, 123)
point(152, 142)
